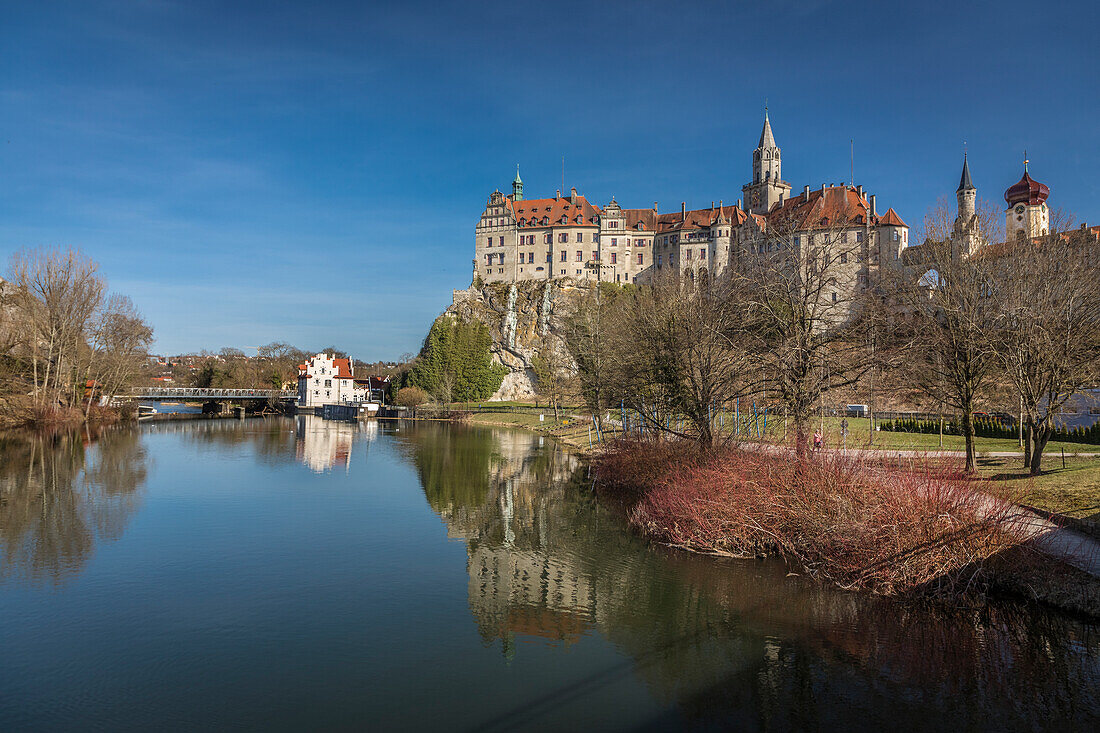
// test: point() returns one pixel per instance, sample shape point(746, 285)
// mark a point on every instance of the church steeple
point(966, 195)
point(767, 187)
point(765, 159)
point(767, 140)
point(964, 182)
point(517, 186)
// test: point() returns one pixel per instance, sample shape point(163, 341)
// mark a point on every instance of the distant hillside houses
point(325, 379)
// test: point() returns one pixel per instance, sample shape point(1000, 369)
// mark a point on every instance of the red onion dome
point(1027, 191)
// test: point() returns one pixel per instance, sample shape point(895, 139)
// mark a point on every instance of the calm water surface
point(301, 574)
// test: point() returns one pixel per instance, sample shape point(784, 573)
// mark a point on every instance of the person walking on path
point(817, 439)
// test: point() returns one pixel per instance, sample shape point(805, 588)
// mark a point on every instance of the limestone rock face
point(522, 318)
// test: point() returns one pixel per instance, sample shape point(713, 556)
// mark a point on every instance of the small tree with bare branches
point(1047, 335)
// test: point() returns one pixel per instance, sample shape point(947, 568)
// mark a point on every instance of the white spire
point(766, 138)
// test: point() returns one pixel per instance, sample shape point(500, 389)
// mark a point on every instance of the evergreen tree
point(455, 362)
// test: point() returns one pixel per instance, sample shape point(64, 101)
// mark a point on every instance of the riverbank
point(16, 416)
point(923, 534)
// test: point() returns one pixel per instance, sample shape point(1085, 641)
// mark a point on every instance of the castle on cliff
point(567, 236)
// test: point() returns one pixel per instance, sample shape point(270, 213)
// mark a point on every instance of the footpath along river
point(297, 574)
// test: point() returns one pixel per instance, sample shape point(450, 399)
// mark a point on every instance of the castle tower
point(768, 186)
point(1027, 215)
point(966, 195)
point(517, 186)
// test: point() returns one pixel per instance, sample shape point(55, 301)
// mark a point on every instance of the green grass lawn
point(859, 432)
point(1073, 490)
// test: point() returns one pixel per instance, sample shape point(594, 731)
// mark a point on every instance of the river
point(292, 573)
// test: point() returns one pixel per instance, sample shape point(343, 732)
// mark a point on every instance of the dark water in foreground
point(281, 574)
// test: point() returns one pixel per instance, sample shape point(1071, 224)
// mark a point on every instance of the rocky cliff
point(523, 318)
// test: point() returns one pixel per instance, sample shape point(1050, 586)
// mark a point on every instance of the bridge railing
point(212, 393)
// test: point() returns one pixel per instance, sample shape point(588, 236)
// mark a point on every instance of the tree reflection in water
point(61, 494)
point(731, 642)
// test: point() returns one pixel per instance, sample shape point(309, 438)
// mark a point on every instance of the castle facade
point(568, 236)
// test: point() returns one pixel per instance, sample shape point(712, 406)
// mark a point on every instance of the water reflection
point(306, 593)
point(62, 494)
point(325, 444)
point(732, 642)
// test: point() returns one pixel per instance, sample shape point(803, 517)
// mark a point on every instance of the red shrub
point(850, 521)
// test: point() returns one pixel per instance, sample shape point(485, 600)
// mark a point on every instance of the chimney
point(873, 211)
point(822, 189)
point(655, 208)
point(557, 194)
point(573, 196)
point(712, 204)
point(683, 209)
point(739, 206)
point(806, 192)
point(859, 190)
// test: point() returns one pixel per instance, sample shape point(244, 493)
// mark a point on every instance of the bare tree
point(687, 346)
point(807, 272)
point(944, 313)
point(1047, 335)
point(552, 374)
point(118, 346)
point(590, 338)
point(58, 293)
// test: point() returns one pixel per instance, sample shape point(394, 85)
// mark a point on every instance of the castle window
point(564, 257)
point(563, 237)
point(702, 254)
point(613, 258)
point(488, 241)
point(640, 256)
point(502, 241)
point(614, 242)
point(580, 236)
point(530, 257)
point(580, 257)
point(843, 257)
point(521, 258)
point(595, 254)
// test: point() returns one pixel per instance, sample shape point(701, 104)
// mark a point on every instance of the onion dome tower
point(1027, 215)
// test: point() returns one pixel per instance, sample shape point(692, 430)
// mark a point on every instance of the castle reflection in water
point(546, 564)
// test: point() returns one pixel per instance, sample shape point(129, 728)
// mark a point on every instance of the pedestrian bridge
point(167, 394)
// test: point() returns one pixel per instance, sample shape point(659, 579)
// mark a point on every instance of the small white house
point(325, 379)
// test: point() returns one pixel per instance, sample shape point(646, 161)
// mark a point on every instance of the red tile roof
point(695, 219)
point(892, 218)
point(826, 209)
point(532, 212)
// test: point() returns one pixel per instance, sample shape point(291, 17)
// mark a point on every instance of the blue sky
point(311, 172)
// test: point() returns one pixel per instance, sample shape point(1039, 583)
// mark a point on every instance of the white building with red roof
point(325, 379)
